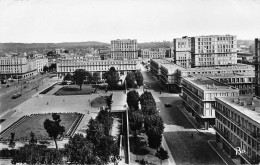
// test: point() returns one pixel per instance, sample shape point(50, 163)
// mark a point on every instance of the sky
point(42, 21)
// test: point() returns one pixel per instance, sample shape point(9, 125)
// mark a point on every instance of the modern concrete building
point(155, 66)
point(199, 95)
point(240, 76)
point(124, 49)
point(182, 51)
point(257, 66)
point(238, 127)
point(169, 76)
point(17, 67)
point(213, 50)
point(70, 64)
point(152, 53)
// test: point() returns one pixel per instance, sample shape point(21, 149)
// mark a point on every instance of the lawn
point(35, 123)
point(75, 90)
point(99, 101)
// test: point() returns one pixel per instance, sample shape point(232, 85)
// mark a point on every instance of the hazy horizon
point(56, 21)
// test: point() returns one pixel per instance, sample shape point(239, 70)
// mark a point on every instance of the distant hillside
point(245, 42)
point(15, 46)
point(145, 45)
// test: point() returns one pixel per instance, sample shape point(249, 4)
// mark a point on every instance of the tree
point(139, 78)
point(130, 80)
point(105, 117)
point(112, 78)
point(154, 137)
point(96, 77)
point(162, 154)
point(133, 100)
point(33, 140)
point(79, 76)
point(66, 51)
point(148, 104)
point(45, 68)
point(68, 77)
point(95, 132)
point(53, 127)
point(52, 66)
point(79, 150)
point(135, 121)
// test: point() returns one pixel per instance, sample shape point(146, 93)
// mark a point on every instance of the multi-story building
point(238, 127)
point(155, 66)
point(152, 53)
point(104, 53)
point(69, 65)
point(213, 50)
point(199, 95)
point(169, 76)
point(124, 49)
point(257, 66)
point(182, 51)
point(240, 76)
point(17, 67)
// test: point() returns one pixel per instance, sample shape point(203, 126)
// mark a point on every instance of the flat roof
point(207, 84)
point(171, 67)
point(162, 61)
point(237, 66)
point(247, 108)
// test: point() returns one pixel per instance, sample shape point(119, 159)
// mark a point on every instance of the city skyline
point(56, 21)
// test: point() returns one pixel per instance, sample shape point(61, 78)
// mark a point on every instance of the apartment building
point(257, 66)
point(17, 67)
point(152, 53)
point(155, 66)
point(199, 95)
point(238, 127)
point(182, 51)
point(169, 76)
point(124, 49)
point(240, 76)
point(70, 64)
point(213, 50)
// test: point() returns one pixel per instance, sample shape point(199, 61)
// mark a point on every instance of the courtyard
point(34, 123)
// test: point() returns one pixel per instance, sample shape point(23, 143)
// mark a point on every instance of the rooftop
point(206, 83)
point(171, 67)
point(247, 105)
point(237, 66)
point(163, 61)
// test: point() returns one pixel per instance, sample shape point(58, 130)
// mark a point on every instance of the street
point(187, 145)
point(6, 100)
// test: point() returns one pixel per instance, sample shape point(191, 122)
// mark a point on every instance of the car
point(167, 105)
point(16, 95)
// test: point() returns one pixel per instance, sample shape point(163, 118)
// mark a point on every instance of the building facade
point(199, 95)
point(124, 49)
point(182, 51)
point(169, 76)
point(257, 66)
point(240, 76)
point(213, 50)
point(238, 127)
point(155, 66)
point(152, 53)
point(17, 67)
point(69, 65)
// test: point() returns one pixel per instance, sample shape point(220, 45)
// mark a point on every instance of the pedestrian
point(47, 103)
point(192, 135)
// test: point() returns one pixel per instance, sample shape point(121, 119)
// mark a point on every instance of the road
point(6, 101)
point(187, 146)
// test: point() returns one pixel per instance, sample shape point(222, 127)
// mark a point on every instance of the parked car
point(16, 95)
point(168, 105)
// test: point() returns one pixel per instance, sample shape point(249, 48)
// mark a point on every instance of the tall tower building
point(213, 50)
point(124, 49)
point(257, 66)
point(182, 51)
